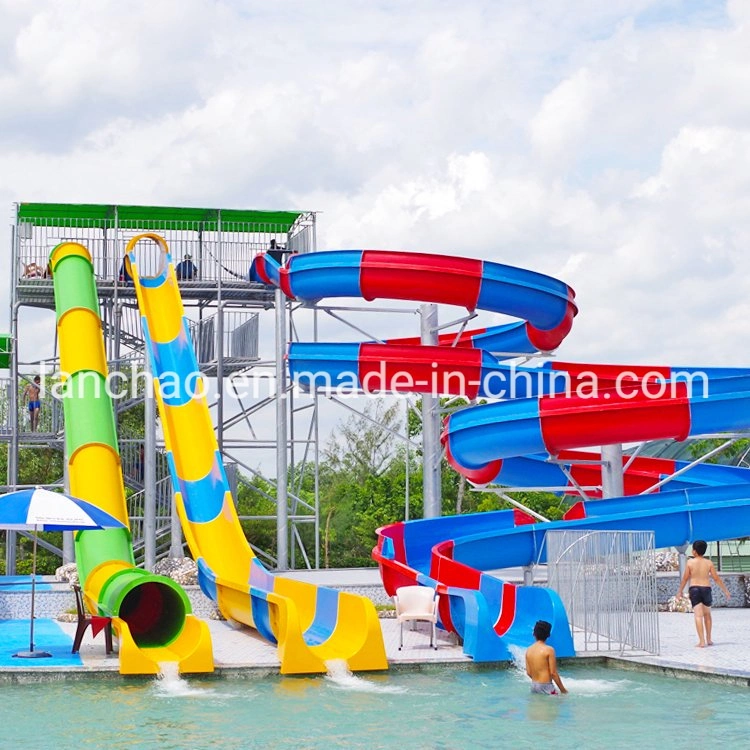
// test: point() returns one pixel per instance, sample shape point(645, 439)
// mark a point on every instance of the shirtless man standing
point(541, 662)
point(700, 570)
point(31, 394)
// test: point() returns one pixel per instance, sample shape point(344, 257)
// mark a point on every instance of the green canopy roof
point(155, 217)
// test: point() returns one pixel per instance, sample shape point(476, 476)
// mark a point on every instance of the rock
point(675, 604)
point(67, 572)
point(666, 561)
point(387, 614)
point(180, 569)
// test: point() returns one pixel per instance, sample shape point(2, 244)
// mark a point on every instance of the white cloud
point(606, 143)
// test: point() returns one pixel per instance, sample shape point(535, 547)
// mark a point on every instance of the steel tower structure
point(233, 322)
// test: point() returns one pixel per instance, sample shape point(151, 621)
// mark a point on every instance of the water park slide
point(445, 551)
point(151, 614)
point(310, 625)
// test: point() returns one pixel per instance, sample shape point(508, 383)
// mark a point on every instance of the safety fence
point(607, 582)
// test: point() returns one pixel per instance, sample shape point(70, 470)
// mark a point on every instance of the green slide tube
point(153, 607)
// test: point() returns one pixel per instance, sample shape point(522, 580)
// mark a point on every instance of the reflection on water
point(545, 708)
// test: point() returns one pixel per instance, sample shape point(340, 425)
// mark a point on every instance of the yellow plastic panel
point(304, 596)
point(96, 580)
point(84, 346)
point(163, 303)
point(191, 422)
point(220, 542)
point(95, 475)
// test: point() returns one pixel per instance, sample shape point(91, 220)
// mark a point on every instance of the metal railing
point(51, 417)
point(215, 255)
point(136, 510)
point(607, 582)
point(240, 336)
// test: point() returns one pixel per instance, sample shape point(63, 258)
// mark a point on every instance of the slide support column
point(149, 472)
point(68, 546)
point(612, 478)
point(431, 448)
point(282, 532)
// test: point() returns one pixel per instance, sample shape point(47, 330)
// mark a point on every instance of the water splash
point(518, 655)
point(341, 677)
point(578, 686)
point(170, 684)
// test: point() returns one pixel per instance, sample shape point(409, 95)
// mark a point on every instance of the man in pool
point(700, 570)
point(541, 663)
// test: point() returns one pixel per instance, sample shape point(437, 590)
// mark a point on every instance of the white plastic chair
point(417, 603)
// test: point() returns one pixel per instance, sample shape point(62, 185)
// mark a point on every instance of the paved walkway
point(240, 648)
point(729, 656)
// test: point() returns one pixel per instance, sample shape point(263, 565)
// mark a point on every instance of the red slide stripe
point(507, 609)
point(521, 518)
point(575, 512)
point(576, 421)
point(547, 341)
point(449, 572)
point(285, 282)
point(420, 369)
point(260, 268)
point(610, 373)
point(483, 475)
point(466, 339)
point(429, 278)
point(642, 474)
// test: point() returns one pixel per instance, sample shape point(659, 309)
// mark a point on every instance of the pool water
point(437, 708)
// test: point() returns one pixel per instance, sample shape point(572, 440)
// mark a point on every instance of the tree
point(39, 465)
point(736, 454)
point(363, 446)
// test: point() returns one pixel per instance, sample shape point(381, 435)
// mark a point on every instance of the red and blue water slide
point(542, 412)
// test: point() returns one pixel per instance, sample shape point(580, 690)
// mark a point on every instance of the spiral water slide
point(151, 614)
point(547, 411)
point(311, 625)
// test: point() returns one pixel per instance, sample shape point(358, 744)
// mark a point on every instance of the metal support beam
point(10, 536)
point(149, 474)
point(612, 476)
point(175, 546)
point(431, 449)
point(282, 522)
point(68, 548)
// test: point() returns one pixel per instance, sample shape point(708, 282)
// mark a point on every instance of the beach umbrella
point(41, 510)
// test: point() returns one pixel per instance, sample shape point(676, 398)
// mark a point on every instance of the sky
point(604, 143)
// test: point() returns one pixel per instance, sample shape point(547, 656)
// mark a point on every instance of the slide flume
point(311, 625)
point(538, 417)
point(151, 613)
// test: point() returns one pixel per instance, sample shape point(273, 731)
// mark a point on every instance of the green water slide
point(151, 614)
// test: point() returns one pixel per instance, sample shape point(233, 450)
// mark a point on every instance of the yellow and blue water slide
point(310, 625)
point(151, 614)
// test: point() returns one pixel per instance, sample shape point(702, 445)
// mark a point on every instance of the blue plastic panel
point(331, 274)
point(324, 365)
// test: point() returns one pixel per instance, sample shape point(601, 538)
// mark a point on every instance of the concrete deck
point(240, 652)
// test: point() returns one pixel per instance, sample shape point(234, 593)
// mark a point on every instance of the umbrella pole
point(31, 654)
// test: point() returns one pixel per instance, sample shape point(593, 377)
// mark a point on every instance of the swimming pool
point(435, 708)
